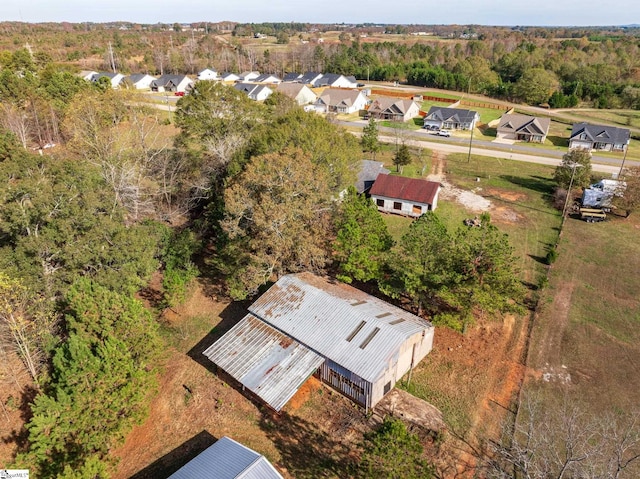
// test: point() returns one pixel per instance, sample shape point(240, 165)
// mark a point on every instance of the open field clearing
point(587, 335)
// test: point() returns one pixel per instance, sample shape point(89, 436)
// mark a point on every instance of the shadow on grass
point(231, 315)
point(174, 460)
point(539, 259)
point(539, 184)
point(558, 141)
point(306, 451)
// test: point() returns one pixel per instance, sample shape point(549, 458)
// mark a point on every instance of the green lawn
point(520, 193)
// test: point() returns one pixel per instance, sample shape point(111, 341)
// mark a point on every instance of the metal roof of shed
point(267, 362)
point(227, 459)
point(357, 331)
point(403, 188)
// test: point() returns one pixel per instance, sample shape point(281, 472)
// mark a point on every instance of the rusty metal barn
point(307, 325)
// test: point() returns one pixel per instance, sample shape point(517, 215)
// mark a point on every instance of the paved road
point(518, 152)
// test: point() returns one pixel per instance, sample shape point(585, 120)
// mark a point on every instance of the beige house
point(514, 126)
point(395, 109)
point(301, 94)
point(341, 101)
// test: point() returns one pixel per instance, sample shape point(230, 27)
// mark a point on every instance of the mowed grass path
point(593, 304)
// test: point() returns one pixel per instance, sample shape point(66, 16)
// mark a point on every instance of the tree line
point(561, 67)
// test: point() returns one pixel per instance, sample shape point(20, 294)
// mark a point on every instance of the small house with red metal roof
point(405, 196)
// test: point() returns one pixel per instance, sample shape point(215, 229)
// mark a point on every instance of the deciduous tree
point(277, 219)
point(629, 198)
point(577, 164)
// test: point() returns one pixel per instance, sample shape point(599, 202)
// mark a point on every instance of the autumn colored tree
point(629, 197)
point(277, 219)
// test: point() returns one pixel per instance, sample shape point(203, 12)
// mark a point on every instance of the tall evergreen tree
point(362, 238)
point(402, 157)
point(369, 141)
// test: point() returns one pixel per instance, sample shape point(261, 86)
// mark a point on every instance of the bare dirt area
point(473, 378)
point(549, 331)
point(314, 436)
point(16, 391)
point(471, 200)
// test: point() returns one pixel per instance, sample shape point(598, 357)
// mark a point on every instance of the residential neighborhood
point(353, 249)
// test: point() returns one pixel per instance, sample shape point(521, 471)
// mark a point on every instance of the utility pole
point(566, 200)
point(113, 63)
point(623, 159)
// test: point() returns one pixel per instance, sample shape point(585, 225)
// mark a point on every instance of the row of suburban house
point(519, 127)
point(171, 82)
point(340, 95)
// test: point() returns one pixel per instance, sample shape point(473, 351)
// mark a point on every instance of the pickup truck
point(443, 133)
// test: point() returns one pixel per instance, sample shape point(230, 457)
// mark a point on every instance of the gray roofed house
point(229, 77)
point(266, 78)
point(451, 118)
point(366, 344)
point(208, 74)
point(369, 171)
point(227, 459)
point(396, 109)
point(139, 81)
point(335, 81)
point(116, 79)
point(254, 91)
point(309, 78)
point(249, 76)
point(598, 137)
point(171, 83)
point(341, 101)
point(514, 126)
point(291, 77)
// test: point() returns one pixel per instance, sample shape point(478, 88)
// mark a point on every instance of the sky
point(461, 12)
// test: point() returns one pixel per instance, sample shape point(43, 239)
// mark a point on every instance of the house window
point(387, 388)
point(397, 205)
point(380, 203)
point(417, 210)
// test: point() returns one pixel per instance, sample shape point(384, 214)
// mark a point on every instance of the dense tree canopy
point(453, 275)
point(278, 214)
point(392, 452)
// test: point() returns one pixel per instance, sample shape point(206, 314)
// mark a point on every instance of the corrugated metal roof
point(227, 459)
point(402, 188)
point(323, 315)
point(267, 362)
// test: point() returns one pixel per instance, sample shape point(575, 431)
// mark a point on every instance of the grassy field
point(589, 323)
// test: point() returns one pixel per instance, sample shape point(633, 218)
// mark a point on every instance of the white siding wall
point(400, 365)
point(406, 208)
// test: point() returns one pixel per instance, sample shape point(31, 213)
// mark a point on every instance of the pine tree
point(362, 238)
point(369, 140)
point(402, 157)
